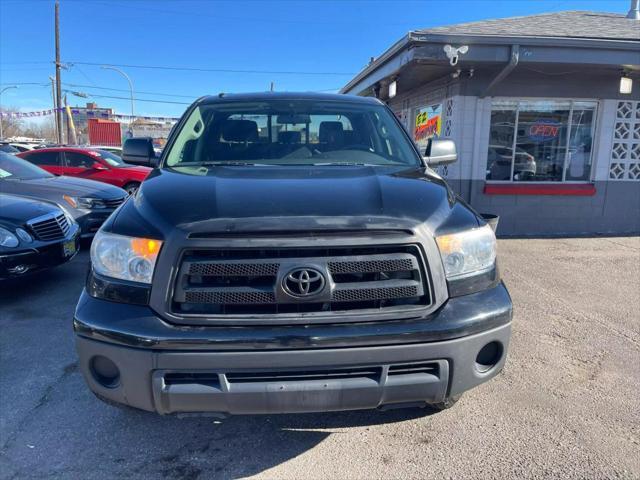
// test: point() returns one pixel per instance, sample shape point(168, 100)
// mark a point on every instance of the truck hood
point(250, 199)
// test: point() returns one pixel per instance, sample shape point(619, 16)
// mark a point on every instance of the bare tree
point(11, 126)
point(43, 129)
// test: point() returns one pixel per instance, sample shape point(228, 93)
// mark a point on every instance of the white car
point(108, 148)
point(25, 147)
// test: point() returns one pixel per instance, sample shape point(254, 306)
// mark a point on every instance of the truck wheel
point(131, 187)
point(448, 403)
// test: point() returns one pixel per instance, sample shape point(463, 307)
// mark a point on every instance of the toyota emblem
point(303, 282)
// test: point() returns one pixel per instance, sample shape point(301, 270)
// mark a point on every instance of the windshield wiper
point(224, 164)
point(348, 164)
point(220, 164)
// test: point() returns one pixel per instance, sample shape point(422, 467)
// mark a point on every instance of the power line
point(166, 67)
point(97, 87)
point(21, 69)
point(218, 70)
point(79, 85)
point(140, 99)
point(85, 75)
point(26, 83)
point(26, 63)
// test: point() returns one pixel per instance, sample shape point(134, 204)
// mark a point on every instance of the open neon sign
point(544, 130)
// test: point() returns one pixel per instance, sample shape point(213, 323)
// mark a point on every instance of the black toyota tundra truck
point(291, 253)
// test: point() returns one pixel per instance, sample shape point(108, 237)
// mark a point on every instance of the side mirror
point(139, 151)
point(98, 166)
point(440, 151)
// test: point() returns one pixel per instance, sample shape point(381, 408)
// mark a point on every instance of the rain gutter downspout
point(634, 11)
point(513, 62)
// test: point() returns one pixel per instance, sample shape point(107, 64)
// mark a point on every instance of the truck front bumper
point(253, 370)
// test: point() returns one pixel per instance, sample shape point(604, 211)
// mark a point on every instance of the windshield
point(8, 148)
point(14, 168)
point(111, 158)
point(286, 132)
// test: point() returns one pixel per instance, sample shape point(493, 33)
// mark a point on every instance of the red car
point(94, 164)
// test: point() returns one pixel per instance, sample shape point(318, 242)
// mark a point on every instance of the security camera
point(453, 54)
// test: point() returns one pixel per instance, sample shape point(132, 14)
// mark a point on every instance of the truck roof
point(266, 96)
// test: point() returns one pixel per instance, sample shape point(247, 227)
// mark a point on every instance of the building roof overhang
point(418, 48)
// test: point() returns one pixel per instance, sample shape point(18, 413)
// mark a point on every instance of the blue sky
point(331, 39)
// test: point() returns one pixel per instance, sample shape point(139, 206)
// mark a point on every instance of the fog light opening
point(104, 371)
point(488, 357)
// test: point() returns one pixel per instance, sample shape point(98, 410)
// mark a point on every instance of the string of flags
point(89, 114)
point(41, 113)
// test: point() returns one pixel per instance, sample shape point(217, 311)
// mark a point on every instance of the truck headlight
point(8, 239)
point(467, 253)
point(126, 258)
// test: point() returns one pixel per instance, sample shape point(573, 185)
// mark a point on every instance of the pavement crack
point(42, 401)
point(44, 398)
point(637, 249)
point(618, 332)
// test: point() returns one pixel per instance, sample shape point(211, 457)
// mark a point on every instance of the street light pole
point(1, 92)
point(109, 67)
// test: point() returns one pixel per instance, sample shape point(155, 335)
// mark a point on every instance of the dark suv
point(291, 253)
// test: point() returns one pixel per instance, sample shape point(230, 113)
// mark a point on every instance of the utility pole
point(55, 105)
point(58, 80)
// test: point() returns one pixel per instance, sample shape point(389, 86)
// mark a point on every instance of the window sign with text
point(428, 124)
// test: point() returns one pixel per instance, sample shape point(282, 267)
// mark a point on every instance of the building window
point(541, 141)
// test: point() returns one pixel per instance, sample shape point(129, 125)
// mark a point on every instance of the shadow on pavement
point(236, 446)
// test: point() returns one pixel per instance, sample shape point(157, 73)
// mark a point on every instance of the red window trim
point(573, 189)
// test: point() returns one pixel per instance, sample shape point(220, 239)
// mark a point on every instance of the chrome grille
point(114, 202)
point(53, 226)
point(249, 281)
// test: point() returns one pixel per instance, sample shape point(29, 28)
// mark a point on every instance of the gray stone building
point(545, 111)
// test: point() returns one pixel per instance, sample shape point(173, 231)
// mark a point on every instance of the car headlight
point(467, 253)
point(84, 202)
point(126, 258)
point(8, 239)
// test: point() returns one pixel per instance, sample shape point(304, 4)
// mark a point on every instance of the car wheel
point(132, 187)
point(446, 404)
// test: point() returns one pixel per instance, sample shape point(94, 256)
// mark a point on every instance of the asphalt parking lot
point(566, 405)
